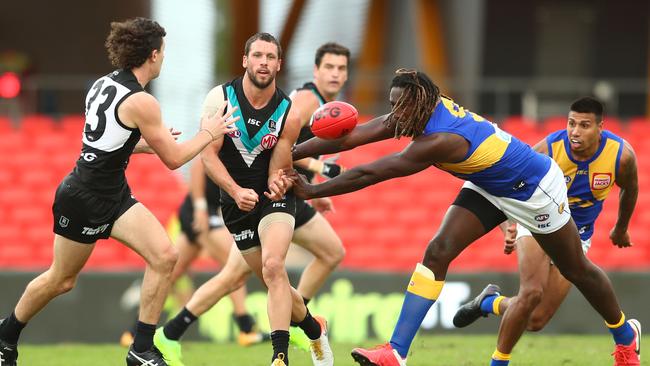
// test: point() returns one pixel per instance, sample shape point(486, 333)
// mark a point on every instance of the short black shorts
point(84, 216)
point(186, 218)
point(489, 215)
point(243, 225)
point(304, 212)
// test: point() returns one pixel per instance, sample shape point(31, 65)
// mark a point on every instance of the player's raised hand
point(301, 186)
point(217, 124)
point(620, 238)
point(278, 184)
point(245, 198)
point(510, 238)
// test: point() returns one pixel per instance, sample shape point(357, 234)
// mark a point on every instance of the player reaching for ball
point(505, 178)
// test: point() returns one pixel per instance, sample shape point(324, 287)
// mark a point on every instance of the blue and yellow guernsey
point(590, 181)
point(495, 161)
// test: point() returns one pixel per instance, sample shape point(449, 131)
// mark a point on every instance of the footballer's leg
point(320, 239)
point(68, 259)
point(469, 218)
point(534, 267)
point(556, 290)
point(139, 229)
point(565, 249)
point(219, 245)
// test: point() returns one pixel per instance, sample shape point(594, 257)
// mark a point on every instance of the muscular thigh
point(317, 236)
point(534, 264)
point(69, 256)
point(139, 229)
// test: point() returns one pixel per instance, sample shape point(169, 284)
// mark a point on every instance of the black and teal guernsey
point(246, 153)
point(305, 131)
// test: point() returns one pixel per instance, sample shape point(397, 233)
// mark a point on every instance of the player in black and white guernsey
point(256, 203)
point(94, 201)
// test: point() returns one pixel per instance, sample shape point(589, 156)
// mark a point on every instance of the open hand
point(218, 124)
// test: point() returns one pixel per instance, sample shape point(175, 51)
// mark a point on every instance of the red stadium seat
point(37, 123)
point(73, 124)
point(5, 125)
point(555, 123)
point(614, 125)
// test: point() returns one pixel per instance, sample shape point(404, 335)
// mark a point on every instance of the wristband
point(200, 204)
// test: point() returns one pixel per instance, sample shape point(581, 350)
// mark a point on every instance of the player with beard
point(257, 207)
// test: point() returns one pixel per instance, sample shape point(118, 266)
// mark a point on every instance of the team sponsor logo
point(246, 234)
point(601, 180)
point(94, 230)
point(88, 156)
point(254, 122)
point(272, 125)
point(234, 134)
point(268, 141)
point(64, 221)
point(542, 217)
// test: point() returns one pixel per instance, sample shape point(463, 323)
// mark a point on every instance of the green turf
point(430, 351)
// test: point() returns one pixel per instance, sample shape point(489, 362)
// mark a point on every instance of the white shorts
point(545, 212)
point(522, 231)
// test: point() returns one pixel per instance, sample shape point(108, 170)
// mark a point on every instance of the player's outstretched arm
point(143, 110)
point(416, 157)
point(372, 131)
point(627, 180)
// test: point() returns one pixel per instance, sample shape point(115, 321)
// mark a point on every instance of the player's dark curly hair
point(131, 42)
point(333, 48)
point(415, 105)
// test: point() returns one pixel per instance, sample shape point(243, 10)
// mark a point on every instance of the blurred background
point(517, 63)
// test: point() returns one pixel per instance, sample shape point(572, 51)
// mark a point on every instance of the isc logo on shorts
point(601, 180)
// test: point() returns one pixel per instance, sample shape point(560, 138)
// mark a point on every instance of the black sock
point(143, 340)
point(244, 322)
point(310, 326)
point(306, 300)
point(175, 328)
point(280, 341)
point(10, 329)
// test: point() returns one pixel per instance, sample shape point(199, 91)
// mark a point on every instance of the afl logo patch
point(542, 217)
point(567, 179)
point(268, 141)
point(601, 180)
point(234, 134)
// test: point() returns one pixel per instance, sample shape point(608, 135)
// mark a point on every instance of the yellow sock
point(495, 305)
point(500, 356)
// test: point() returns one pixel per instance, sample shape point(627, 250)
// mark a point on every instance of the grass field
point(430, 351)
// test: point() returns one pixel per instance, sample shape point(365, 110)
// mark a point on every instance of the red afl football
point(333, 120)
